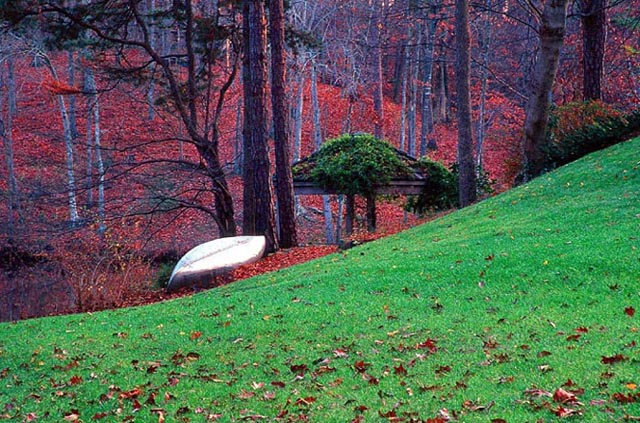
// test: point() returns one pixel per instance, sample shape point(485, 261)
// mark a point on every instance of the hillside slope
point(517, 309)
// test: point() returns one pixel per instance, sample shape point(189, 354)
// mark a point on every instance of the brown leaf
point(565, 412)
point(305, 401)
point(629, 311)
point(613, 359)
point(624, 399)
point(134, 393)
point(361, 366)
point(442, 370)
point(400, 370)
point(564, 397)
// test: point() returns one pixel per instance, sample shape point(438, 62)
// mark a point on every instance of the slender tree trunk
point(485, 36)
point(259, 215)
point(442, 98)
point(317, 137)
point(594, 34)
point(552, 30)
point(350, 214)
point(371, 213)
point(406, 58)
point(74, 217)
point(6, 130)
point(413, 98)
point(297, 112)
point(237, 147)
point(11, 85)
point(151, 110)
point(94, 117)
point(280, 106)
point(467, 175)
point(376, 68)
point(71, 76)
point(427, 140)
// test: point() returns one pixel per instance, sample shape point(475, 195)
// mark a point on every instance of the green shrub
point(440, 191)
point(577, 129)
point(163, 274)
point(356, 164)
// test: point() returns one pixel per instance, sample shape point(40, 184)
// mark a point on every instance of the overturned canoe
point(212, 258)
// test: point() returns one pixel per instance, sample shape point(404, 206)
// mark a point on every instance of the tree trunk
point(280, 106)
point(151, 7)
point(297, 113)
point(71, 76)
point(552, 30)
point(350, 215)
point(442, 97)
point(413, 98)
point(317, 138)
point(376, 69)
point(259, 215)
point(484, 42)
point(74, 217)
point(594, 33)
point(11, 86)
point(6, 129)
point(94, 117)
point(467, 175)
point(371, 213)
point(237, 146)
point(427, 140)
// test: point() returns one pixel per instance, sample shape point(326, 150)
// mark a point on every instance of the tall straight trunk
point(297, 113)
point(6, 129)
point(442, 97)
point(151, 7)
point(376, 69)
point(594, 34)
point(413, 98)
point(467, 175)
point(71, 77)
point(427, 140)
point(11, 86)
point(485, 48)
point(317, 138)
point(406, 58)
point(552, 30)
point(74, 217)
point(280, 105)
point(94, 118)
point(259, 215)
point(237, 146)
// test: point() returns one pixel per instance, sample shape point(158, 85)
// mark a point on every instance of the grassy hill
point(521, 308)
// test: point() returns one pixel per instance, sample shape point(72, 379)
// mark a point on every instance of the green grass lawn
point(518, 309)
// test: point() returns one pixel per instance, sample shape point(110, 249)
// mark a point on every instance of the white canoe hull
point(203, 262)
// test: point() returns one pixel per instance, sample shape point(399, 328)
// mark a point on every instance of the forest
point(133, 130)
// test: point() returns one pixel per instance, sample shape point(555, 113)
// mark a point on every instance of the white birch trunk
point(74, 217)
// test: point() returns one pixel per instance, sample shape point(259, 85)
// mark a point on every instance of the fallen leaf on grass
point(565, 412)
point(613, 359)
point(629, 311)
point(564, 397)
